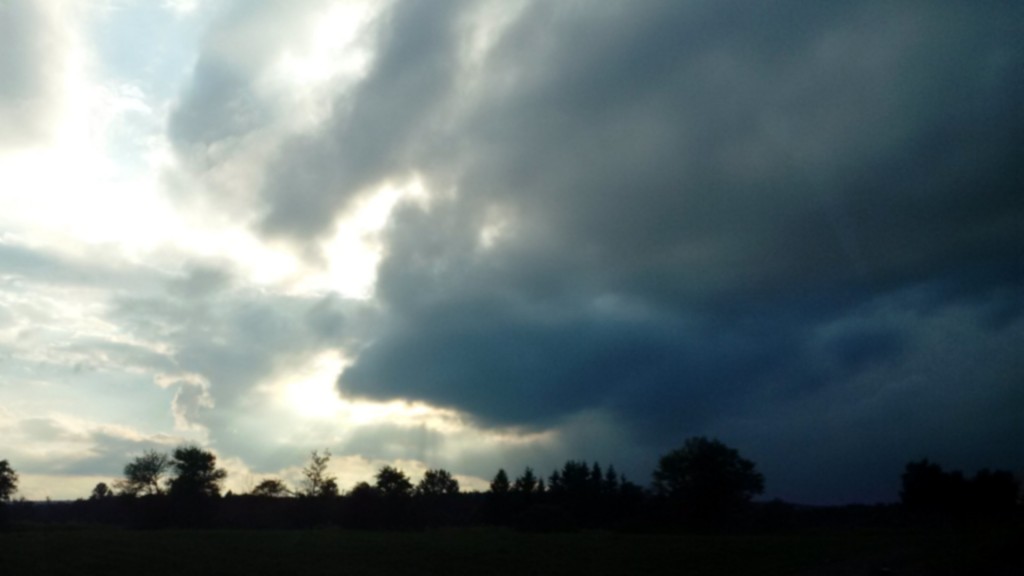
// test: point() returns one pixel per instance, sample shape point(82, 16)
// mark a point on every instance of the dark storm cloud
point(701, 217)
point(506, 367)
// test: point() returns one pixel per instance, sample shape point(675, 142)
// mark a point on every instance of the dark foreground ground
point(899, 551)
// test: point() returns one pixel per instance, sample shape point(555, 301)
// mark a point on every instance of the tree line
point(704, 485)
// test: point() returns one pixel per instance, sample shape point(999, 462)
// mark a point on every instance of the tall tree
point(596, 479)
point(610, 484)
point(142, 475)
point(708, 480)
point(8, 481)
point(527, 483)
point(196, 473)
point(555, 482)
point(574, 479)
point(318, 483)
point(926, 488)
point(437, 483)
point(500, 483)
point(498, 506)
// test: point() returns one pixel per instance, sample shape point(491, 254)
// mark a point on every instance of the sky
point(509, 233)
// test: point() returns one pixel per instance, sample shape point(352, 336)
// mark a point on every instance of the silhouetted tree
point(994, 494)
point(437, 483)
point(101, 491)
point(630, 497)
point(500, 485)
point(143, 474)
point(318, 483)
point(575, 490)
point(707, 481)
point(436, 495)
point(364, 490)
point(929, 493)
point(395, 491)
point(8, 481)
point(194, 487)
point(527, 483)
point(596, 481)
point(196, 473)
point(554, 481)
point(393, 483)
point(363, 506)
point(610, 483)
point(498, 507)
point(925, 488)
point(574, 479)
point(272, 488)
point(8, 486)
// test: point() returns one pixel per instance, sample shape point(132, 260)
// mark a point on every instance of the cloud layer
point(606, 227)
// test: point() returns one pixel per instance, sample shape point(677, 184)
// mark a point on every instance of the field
point(58, 551)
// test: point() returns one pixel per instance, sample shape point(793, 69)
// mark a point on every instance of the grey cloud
point(227, 100)
point(190, 402)
point(237, 339)
point(30, 90)
point(6, 317)
point(392, 442)
point(89, 269)
point(198, 323)
point(390, 122)
point(329, 320)
point(111, 451)
point(118, 355)
point(102, 451)
point(46, 430)
point(202, 279)
point(220, 106)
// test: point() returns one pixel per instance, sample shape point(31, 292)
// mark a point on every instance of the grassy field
point(53, 551)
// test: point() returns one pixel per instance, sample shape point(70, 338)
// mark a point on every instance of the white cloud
point(181, 7)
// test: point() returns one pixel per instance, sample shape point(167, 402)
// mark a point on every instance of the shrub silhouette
point(8, 486)
point(929, 493)
point(271, 488)
point(8, 481)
